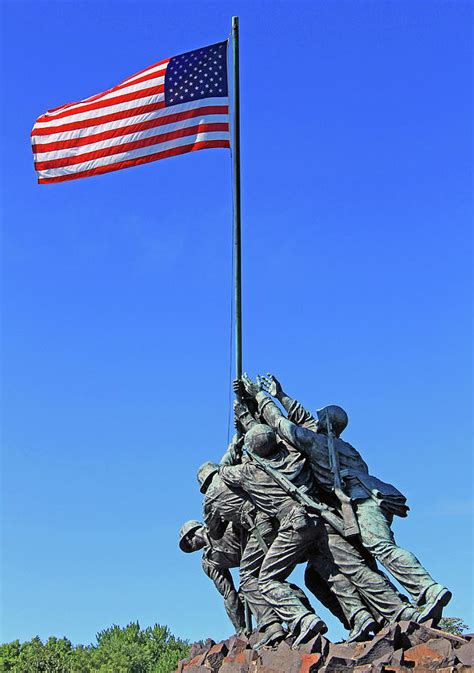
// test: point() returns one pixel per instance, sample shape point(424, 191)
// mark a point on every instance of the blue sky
point(356, 197)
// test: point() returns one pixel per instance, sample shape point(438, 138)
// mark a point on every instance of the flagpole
point(237, 231)
point(236, 195)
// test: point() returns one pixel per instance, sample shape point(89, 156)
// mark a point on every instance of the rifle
point(298, 494)
point(351, 527)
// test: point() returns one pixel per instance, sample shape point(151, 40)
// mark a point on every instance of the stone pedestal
point(406, 647)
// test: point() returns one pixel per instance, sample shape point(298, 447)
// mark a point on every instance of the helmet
point(187, 528)
point(205, 474)
point(260, 439)
point(337, 417)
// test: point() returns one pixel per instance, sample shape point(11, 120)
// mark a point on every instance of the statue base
point(398, 648)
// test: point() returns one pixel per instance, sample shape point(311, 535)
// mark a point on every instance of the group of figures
point(289, 490)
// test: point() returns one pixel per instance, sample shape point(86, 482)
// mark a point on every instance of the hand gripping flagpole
point(237, 230)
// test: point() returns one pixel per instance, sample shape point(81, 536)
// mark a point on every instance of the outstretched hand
point(270, 385)
point(251, 387)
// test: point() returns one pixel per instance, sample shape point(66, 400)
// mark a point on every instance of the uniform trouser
point(352, 580)
point(225, 586)
point(336, 560)
point(250, 564)
point(320, 589)
point(377, 537)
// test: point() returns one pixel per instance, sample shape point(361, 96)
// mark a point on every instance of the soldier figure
point(218, 557)
point(299, 533)
point(224, 506)
point(375, 502)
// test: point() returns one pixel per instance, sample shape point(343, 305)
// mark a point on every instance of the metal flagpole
point(236, 174)
point(237, 231)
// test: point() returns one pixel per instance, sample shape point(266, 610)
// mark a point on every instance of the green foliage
point(118, 650)
point(454, 625)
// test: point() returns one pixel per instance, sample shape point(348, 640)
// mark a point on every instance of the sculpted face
point(196, 540)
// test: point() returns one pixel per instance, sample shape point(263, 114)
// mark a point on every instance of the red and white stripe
point(125, 126)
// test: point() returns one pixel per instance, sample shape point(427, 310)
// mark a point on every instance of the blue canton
point(197, 74)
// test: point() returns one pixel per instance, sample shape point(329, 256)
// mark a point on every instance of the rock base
point(399, 648)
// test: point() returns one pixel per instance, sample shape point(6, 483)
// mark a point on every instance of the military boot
point(273, 634)
point(436, 597)
point(309, 626)
point(363, 625)
point(407, 614)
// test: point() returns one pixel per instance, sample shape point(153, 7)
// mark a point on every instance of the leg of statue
point(250, 565)
point(321, 590)
point(225, 586)
point(288, 549)
point(377, 537)
point(373, 587)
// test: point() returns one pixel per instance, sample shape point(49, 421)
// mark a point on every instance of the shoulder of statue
point(214, 490)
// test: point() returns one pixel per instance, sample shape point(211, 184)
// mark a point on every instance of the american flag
point(175, 106)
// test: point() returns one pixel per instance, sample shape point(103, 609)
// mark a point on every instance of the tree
point(454, 625)
point(128, 649)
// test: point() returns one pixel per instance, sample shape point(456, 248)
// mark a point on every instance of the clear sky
point(356, 170)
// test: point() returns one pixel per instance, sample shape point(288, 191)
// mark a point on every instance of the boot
point(273, 634)
point(309, 626)
point(436, 598)
point(363, 625)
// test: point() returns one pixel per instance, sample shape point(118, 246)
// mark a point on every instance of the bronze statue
point(289, 490)
point(224, 506)
point(301, 532)
point(375, 502)
point(217, 559)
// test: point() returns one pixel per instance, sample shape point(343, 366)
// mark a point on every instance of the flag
point(175, 106)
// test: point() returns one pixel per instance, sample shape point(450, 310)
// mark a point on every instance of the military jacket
point(224, 504)
point(224, 553)
point(359, 484)
point(267, 495)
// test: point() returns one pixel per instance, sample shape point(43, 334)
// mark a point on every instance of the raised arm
point(243, 416)
point(295, 410)
point(233, 455)
point(302, 438)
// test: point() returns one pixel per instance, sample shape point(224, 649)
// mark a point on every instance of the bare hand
point(238, 387)
point(251, 388)
point(270, 385)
